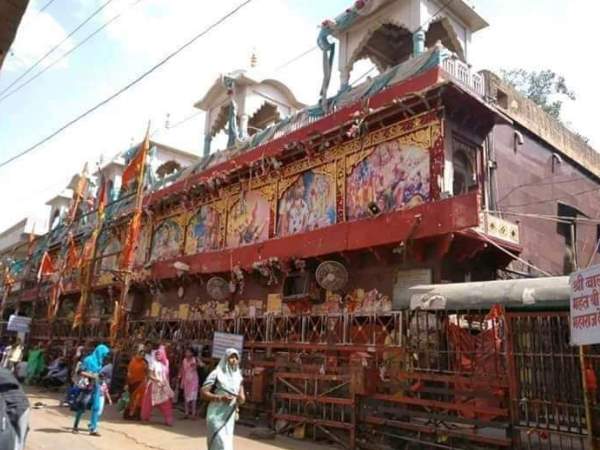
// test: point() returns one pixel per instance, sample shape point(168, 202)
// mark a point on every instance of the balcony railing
point(462, 73)
point(498, 228)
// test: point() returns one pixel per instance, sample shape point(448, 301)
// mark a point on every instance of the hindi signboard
point(223, 341)
point(584, 319)
point(20, 324)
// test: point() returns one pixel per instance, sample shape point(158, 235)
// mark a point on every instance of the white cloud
point(146, 33)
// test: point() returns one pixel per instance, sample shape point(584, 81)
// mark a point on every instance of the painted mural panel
point(203, 231)
point(166, 241)
point(110, 256)
point(248, 220)
point(394, 176)
point(141, 251)
point(309, 203)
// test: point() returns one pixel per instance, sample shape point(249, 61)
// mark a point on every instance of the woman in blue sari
point(224, 390)
point(90, 397)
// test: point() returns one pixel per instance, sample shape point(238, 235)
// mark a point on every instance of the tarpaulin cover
point(479, 355)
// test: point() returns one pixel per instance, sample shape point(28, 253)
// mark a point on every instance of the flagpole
point(56, 288)
point(135, 221)
point(88, 269)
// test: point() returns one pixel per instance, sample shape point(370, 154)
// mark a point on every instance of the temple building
point(308, 233)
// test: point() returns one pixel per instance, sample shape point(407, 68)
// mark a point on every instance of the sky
point(535, 35)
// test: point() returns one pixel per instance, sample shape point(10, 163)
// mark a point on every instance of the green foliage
point(544, 87)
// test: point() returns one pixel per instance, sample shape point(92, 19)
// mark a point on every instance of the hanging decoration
point(236, 284)
point(268, 269)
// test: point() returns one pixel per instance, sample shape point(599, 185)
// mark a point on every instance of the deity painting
point(307, 204)
point(143, 244)
point(203, 231)
point(248, 220)
point(393, 176)
point(110, 255)
point(166, 241)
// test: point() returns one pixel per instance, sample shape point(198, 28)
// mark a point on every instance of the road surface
point(50, 430)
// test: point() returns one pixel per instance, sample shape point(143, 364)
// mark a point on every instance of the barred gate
point(547, 401)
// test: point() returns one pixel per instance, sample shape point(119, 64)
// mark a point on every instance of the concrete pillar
point(207, 141)
point(244, 118)
point(418, 42)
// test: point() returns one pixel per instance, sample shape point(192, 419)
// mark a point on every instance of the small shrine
point(240, 104)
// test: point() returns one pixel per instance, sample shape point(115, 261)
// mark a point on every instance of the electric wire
point(56, 46)
point(43, 8)
point(80, 44)
point(128, 86)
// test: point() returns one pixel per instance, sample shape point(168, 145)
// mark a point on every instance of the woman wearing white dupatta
point(224, 390)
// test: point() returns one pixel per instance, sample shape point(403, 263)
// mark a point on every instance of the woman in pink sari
point(158, 390)
point(188, 376)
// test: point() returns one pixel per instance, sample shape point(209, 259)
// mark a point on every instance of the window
point(296, 285)
point(567, 227)
point(464, 163)
point(502, 99)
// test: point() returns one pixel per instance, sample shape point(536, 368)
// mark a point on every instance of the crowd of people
point(151, 383)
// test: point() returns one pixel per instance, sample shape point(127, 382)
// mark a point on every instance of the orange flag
point(101, 197)
point(46, 266)
point(130, 241)
point(79, 192)
point(81, 306)
point(133, 170)
point(55, 292)
point(115, 323)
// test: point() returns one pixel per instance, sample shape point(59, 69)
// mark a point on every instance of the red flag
point(46, 266)
point(133, 170)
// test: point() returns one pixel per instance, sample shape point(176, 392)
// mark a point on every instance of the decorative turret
point(243, 105)
point(389, 32)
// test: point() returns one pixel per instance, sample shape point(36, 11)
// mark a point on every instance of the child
point(188, 378)
point(104, 395)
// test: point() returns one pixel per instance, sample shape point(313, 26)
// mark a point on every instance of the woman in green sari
point(224, 390)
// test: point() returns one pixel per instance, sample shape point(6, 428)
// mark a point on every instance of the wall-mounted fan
point(331, 275)
point(217, 288)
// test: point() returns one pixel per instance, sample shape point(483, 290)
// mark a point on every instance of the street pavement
point(50, 430)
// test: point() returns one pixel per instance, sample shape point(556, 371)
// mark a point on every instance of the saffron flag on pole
point(72, 257)
point(130, 242)
point(136, 170)
point(78, 194)
point(135, 166)
point(46, 266)
point(101, 197)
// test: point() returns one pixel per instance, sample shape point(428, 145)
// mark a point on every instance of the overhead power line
point(43, 8)
point(295, 58)
point(129, 85)
point(79, 45)
point(49, 52)
point(536, 202)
